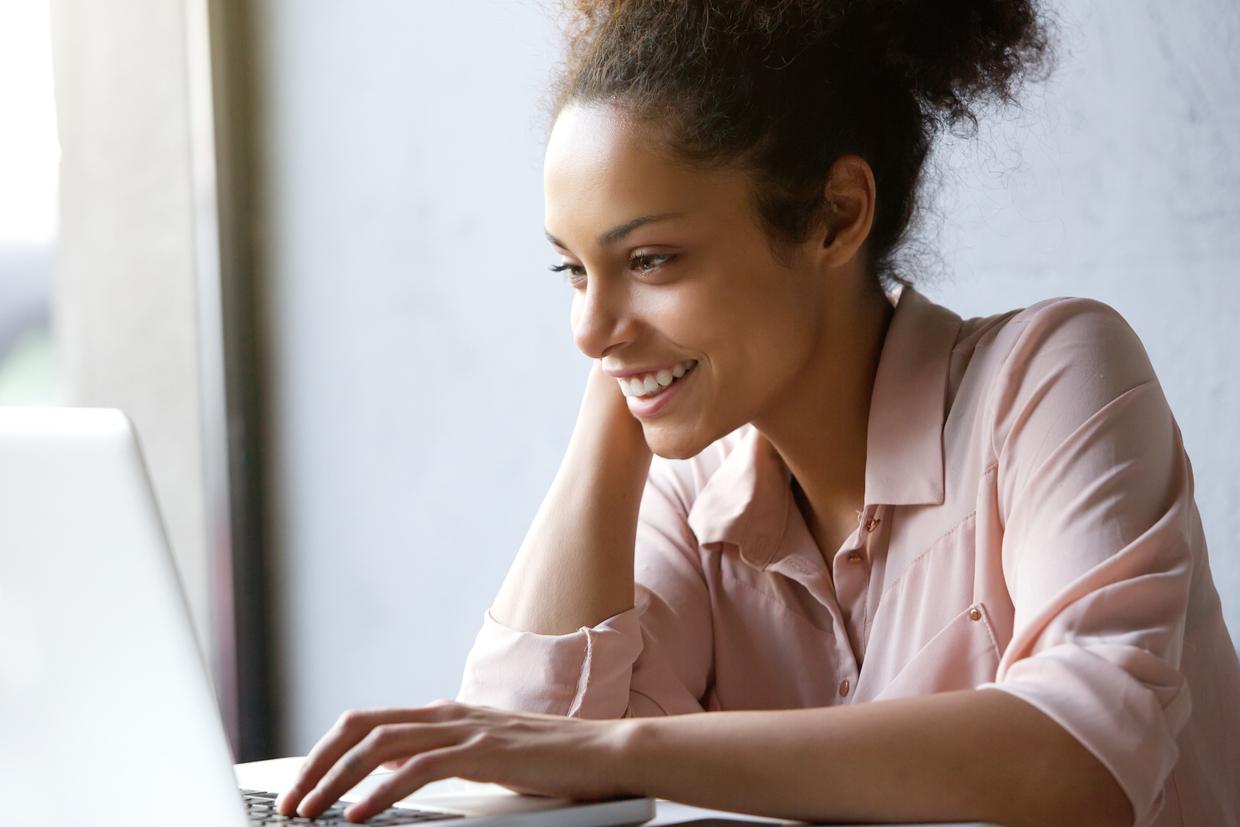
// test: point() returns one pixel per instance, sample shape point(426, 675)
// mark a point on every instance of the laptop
point(107, 714)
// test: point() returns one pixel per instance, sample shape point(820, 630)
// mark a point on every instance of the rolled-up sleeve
point(652, 659)
point(1095, 494)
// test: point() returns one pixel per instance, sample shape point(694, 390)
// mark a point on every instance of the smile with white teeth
point(647, 385)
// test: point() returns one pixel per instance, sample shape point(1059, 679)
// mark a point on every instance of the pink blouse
point(1029, 526)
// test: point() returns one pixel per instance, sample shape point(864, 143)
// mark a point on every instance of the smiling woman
point(821, 548)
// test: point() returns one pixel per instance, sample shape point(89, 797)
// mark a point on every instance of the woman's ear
point(850, 199)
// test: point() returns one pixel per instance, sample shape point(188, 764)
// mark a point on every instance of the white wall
point(423, 382)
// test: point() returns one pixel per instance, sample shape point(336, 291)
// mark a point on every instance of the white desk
point(669, 812)
point(278, 774)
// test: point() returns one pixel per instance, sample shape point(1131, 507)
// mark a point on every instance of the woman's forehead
point(597, 145)
point(604, 168)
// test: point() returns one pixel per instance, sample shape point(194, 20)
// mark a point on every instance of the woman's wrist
point(622, 755)
point(605, 423)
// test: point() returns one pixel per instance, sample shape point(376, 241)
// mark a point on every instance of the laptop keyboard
point(261, 808)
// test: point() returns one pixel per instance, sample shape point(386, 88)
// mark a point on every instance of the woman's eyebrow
point(617, 233)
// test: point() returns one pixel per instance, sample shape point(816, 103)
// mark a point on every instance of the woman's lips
point(646, 407)
point(649, 381)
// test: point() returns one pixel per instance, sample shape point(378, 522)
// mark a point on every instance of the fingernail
point(308, 803)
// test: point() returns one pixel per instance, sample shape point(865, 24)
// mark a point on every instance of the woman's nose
point(600, 320)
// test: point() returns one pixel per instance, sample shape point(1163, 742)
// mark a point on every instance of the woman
point(797, 486)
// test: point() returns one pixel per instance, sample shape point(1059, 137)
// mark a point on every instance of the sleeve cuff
point(582, 674)
point(1121, 720)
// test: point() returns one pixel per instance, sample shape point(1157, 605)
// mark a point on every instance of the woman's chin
point(674, 443)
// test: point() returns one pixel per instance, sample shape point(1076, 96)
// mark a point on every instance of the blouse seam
point(865, 613)
point(1179, 804)
point(775, 601)
point(1087, 422)
point(775, 541)
point(991, 407)
point(992, 470)
point(990, 632)
point(658, 705)
point(865, 623)
point(710, 600)
point(579, 698)
point(929, 548)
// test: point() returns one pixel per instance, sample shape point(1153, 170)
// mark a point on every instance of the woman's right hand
point(605, 415)
point(575, 567)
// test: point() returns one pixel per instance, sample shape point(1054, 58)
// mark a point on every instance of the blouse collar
point(747, 501)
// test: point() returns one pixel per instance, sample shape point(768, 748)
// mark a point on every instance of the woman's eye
point(642, 264)
point(575, 271)
point(650, 261)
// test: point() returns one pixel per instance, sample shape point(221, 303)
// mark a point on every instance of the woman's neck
point(820, 429)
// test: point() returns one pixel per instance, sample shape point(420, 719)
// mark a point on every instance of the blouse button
point(872, 523)
point(854, 557)
point(974, 613)
point(844, 687)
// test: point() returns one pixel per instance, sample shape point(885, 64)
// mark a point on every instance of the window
point(29, 161)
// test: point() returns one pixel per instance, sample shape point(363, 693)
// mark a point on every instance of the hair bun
point(782, 88)
point(955, 53)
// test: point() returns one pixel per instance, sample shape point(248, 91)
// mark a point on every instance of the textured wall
point(424, 383)
point(1119, 179)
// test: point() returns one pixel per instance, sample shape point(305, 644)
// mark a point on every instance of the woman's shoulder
point(1068, 356)
point(1057, 321)
point(1065, 335)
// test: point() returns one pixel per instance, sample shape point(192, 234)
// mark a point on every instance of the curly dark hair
point(782, 88)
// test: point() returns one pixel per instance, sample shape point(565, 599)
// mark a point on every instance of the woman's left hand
point(526, 752)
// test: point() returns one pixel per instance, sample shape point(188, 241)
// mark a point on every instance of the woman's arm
point(969, 755)
point(606, 612)
point(975, 754)
point(575, 567)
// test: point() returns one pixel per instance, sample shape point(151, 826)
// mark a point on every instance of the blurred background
point(300, 243)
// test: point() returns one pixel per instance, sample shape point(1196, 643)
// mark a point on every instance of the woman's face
point(671, 272)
